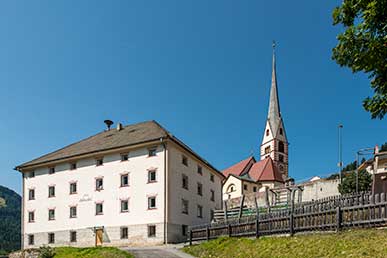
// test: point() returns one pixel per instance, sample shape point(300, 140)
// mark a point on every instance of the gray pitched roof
point(129, 135)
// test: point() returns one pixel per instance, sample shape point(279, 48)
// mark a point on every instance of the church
point(271, 170)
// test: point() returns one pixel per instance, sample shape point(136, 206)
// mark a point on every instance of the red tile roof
point(263, 170)
point(238, 168)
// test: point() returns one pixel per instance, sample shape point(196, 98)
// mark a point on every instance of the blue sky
point(200, 68)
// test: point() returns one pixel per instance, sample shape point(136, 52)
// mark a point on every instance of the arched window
point(230, 188)
point(267, 132)
point(281, 131)
point(281, 147)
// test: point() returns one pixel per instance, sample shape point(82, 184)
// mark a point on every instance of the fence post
point(229, 230)
point(208, 233)
point(338, 218)
point(241, 207)
point(257, 227)
point(291, 218)
point(190, 237)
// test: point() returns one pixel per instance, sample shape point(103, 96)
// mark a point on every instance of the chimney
point(376, 149)
point(119, 126)
point(108, 123)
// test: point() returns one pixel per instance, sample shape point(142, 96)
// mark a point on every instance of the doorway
point(98, 237)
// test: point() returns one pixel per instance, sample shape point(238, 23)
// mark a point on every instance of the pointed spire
point(274, 109)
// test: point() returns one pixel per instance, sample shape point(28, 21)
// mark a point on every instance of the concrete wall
point(320, 189)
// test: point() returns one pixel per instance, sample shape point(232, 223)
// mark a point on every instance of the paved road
point(157, 252)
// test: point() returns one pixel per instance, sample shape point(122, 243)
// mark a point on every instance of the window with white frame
point(124, 233)
point(151, 231)
point(124, 180)
point(31, 216)
point(99, 208)
point(152, 152)
point(51, 191)
point(73, 236)
point(125, 205)
point(73, 188)
point(151, 202)
point(99, 162)
point(124, 157)
point(51, 238)
point(31, 194)
point(73, 212)
point(152, 176)
point(51, 214)
point(99, 184)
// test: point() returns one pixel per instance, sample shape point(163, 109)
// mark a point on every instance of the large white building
point(136, 184)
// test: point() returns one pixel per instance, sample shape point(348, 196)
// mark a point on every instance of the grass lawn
point(354, 243)
point(94, 252)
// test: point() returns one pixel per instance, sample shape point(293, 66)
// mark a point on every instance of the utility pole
point(340, 143)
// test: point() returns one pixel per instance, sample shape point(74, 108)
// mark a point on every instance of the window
point(99, 162)
point(51, 214)
point(212, 178)
point(281, 147)
point(51, 170)
point(185, 207)
point(124, 157)
point(73, 212)
point(31, 174)
point(73, 166)
point(200, 189)
point(254, 189)
point(184, 160)
point(151, 202)
point(267, 150)
point(212, 195)
point(151, 231)
point(184, 181)
point(73, 236)
point(281, 158)
point(31, 194)
point(124, 205)
point(184, 230)
point(200, 170)
point(152, 152)
point(124, 180)
point(31, 240)
point(98, 209)
point(73, 188)
point(281, 131)
point(51, 191)
point(99, 184)
point(51, 238)
point(267, 132)
point(245, 187)
point(31, 216)
point(200, 211)
point(124, 233)
point(151, 176)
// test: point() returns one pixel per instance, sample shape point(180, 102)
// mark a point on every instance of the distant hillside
point(10, 207)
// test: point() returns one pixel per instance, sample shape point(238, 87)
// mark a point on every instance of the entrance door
point(98, 237)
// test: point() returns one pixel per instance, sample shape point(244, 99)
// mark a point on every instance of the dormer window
point(267, 132)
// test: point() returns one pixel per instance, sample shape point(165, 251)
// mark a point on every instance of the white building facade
point(131, 185)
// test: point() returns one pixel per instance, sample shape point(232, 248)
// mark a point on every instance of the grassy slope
point(355, 243)
point(95, 252)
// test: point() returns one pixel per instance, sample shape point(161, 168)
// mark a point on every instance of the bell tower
point(274, 142)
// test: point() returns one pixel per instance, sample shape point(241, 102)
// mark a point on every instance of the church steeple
point(274, 142)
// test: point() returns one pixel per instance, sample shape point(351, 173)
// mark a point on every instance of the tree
point(349, 182)
point(383, 147)
point(363, 46)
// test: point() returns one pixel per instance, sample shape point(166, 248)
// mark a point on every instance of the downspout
point(165, 191)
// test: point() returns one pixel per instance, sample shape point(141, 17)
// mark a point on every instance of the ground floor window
point(124, 233)
point(31, 239)
point(51, 238)
point(73, 236)
point(184, 230)
point(151, 231)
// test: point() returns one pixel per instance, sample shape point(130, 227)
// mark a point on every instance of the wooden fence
point(329, 214)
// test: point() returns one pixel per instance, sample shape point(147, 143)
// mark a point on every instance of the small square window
point(73, 188)
point(152, 176)
point(73, 236)
point(254, 189)
point(184, 230)
point(73, 166)
point(212, 195)
point(124, 206)
point(99, 162)
point(124, 180)
point(200, 189)
point(73, 212)
point(212, 178)
point(51, 191)
point(151, 203)
point(151, 231)
point(51, 238)
point(124, 233)
point(99, 184)
point(200, 211)
point(98, 209)
point(184, 206)
point(152, 152)
point(245, 187)
point(51, 214)
point(51, 170)
point(31, 240)
point(200, 170)
point(184, 160)
point(31, 174)
point(184, 181)
point(124, 157)
point(31, 194)
point(31, 216)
